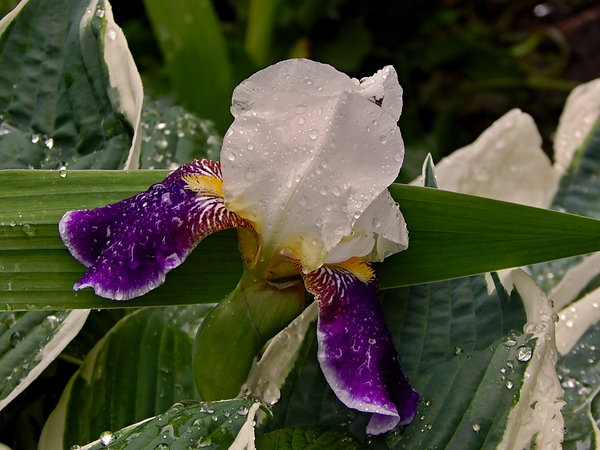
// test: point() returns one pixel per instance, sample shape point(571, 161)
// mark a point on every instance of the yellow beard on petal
point(358, 267)
point(203, 184)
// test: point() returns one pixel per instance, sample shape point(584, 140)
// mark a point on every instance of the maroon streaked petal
point(356, 350)
point(131, 245)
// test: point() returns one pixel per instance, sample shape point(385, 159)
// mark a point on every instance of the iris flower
point(303, 175)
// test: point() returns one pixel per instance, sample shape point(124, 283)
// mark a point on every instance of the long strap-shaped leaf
point(451, 235)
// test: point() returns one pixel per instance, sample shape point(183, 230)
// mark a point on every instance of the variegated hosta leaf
point(308, 438)
point(70, 93)
point(29, 342)
point(173, 136)
point(139, 369)
point(536, 418)
point(577, 335)
point(506, 163)
point(188, 424)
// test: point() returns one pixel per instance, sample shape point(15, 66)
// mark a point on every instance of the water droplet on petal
point(49, 143)
point(509, 384)
point(112, 34)
point(383, 139)
point(458, 350)
point(476, 427)
point(231, 156)
point(323, 190)
point(313, 134)
point(100, 12)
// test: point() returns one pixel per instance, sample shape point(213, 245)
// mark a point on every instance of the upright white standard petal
point(309, 151)
point(506, 163)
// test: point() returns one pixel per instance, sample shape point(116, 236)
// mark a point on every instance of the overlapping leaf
point(57, 105)
point(186, 425)
point(148, 356)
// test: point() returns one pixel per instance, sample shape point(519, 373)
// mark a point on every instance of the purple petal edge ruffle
point(356, 350)
point(129, 246)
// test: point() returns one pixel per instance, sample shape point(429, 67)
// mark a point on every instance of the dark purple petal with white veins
point(131, 245)
point(356, 351)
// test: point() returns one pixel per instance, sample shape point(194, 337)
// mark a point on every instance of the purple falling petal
point(129, 246)
point(356, 351)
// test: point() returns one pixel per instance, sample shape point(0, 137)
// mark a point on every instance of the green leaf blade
point(453, 235)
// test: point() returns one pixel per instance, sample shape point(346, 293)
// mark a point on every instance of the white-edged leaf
point(70, 94)
point(227, 424)
point(122, 74)
point(173, 136)
point(536, 419)
point(139, 369)
point(29, 342)
point(272, 368)
point(506, 163)
point(577, 120)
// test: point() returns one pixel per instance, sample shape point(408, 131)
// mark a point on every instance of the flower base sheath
point(304, 172)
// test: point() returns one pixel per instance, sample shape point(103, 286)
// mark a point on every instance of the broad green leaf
point(307, 439)
point(70, 94)
point(236, 330)
point(174, 136)
point(36, 272)
point(451, 235)
point(29, 342)
point(201, 71)
point(140, 368)
point(189, 424)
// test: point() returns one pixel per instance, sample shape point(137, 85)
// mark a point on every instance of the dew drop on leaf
point(106, 438)
point(15, 338)
point(524, 353)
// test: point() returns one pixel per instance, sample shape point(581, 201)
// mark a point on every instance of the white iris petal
point(309, 158)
